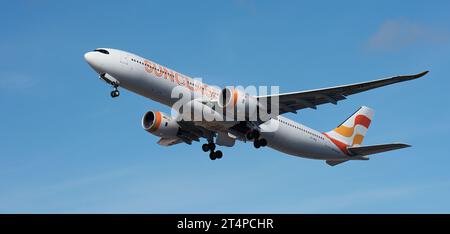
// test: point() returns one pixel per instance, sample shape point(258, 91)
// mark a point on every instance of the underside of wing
point(291, 102)
point(189, 132)
point(169, 141)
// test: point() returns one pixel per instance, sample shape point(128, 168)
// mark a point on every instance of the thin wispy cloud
point(398, 34)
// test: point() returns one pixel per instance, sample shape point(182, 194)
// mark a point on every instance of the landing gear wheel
point(211, 146)
point(205, 147)
point(263, 142)
point(212, 155)
point(256, 144)
point(218, 154)
point(115, 93)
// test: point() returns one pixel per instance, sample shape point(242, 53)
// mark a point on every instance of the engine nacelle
point(238, 104)
point(160, 124)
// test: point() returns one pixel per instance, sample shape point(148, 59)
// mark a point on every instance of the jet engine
point(160, 124)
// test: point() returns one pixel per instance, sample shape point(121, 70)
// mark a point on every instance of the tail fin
point(352, 131)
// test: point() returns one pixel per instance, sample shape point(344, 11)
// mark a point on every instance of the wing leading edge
point(291, 102)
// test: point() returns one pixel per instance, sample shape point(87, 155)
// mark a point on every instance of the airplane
point(147, 78)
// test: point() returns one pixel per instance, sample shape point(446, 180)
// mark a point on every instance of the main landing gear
point(213, 155)
point(258, 142)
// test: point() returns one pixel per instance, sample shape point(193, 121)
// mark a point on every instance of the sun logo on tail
point(352, 131)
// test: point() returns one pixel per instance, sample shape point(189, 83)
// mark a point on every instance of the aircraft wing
point(187, 133)
point(169, 141)
point(291, 102)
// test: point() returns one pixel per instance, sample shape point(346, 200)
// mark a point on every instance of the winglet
point(410, 77)
point(421, 74)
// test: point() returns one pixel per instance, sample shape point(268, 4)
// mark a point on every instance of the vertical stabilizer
point(352, 131)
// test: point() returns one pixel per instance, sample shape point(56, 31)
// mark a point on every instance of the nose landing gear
point(115, 93)
point(112, 81)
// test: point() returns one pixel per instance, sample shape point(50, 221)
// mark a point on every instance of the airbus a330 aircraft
point(149, 79)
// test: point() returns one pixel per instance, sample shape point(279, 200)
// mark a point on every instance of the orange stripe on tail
point(348, 131)
point(342, 146)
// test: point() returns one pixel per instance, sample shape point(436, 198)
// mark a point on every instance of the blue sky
point(67, 147)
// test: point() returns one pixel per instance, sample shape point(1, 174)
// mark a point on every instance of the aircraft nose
point(93, 61)
point(89, 57)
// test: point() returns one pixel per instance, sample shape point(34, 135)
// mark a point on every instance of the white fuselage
point(156, 82)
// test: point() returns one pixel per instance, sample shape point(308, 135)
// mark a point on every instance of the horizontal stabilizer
point(334, 163)
point(375, 149)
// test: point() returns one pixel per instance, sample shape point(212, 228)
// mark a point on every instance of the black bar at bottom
point(224, 223)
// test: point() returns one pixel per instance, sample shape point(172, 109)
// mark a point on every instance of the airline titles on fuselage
point(193, 85)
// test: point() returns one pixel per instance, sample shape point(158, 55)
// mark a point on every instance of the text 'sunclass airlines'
point(223, 116)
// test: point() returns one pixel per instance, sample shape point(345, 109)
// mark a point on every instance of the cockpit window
point(102, 51)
